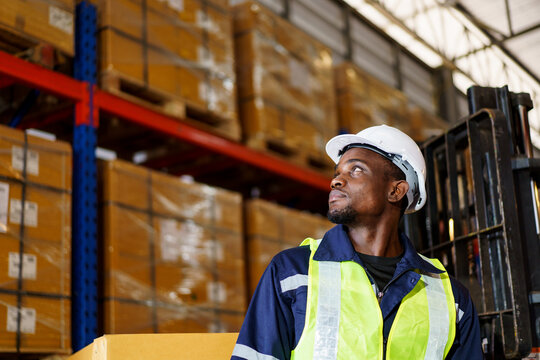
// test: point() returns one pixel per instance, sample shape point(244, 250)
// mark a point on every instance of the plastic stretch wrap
point(285, 81)
point(271, 228)
point(35, 257)
point(38, 21)
point(424, 125)
point(365, 101)
point(172, 253)
point(179, 48)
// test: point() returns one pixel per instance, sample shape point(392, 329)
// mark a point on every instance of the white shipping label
point(217, 292)
point(4, 201)
point(32, 160)
point(30, 212)
point(61, 19)
point(28, 320)
point(215, 251)
point(169, 240)
point(299, 76)
point(177, 5)
point(200, 18)
point(202, 91)
point(13, 268)
point(29, 266)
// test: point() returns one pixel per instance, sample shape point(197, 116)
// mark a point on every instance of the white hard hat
point(394, 145)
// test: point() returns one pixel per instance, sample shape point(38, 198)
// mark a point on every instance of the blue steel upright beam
point(84, 223)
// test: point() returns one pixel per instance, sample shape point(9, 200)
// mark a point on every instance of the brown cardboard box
point(271, 228)
point(48, 21)
point(281, 68)
point(35, 259)
point(172, 50)
point(424, 125)
point(365, 101)
point(47, 163)
point(44, 326)
point(159, 346)
point(170, 246)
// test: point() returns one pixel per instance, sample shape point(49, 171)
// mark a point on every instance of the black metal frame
point(472, 225)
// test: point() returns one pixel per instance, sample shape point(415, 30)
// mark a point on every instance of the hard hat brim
point(337, 143)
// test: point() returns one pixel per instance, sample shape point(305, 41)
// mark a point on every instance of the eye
point(356, 169)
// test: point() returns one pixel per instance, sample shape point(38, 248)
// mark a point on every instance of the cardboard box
point(365, 101)
point(35, 230)
point(181, 50)
point(424, 125)
point(159, 346)
point(285, 81)
point(47, 21)
point(170, 247)
point(271, 228)
point(44, 325)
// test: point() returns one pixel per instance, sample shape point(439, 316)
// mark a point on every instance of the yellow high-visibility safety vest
point(350, 326)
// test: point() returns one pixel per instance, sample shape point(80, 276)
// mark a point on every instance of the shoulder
point(462, 296)
point(467, 343)
point(289, 263)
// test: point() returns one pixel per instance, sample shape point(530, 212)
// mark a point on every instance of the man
point(362, 292)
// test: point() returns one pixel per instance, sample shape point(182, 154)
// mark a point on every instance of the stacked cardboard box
point(285, 83)
point(424, 125)
point(271, 228)
point(365, 101)
point(35, 231)
point(36, 21)
point(172, 253)
point(178, 49)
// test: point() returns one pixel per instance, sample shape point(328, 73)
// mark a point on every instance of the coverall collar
point(336, 246)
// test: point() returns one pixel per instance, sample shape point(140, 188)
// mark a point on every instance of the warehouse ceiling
point(514, 25)
point(486, 42)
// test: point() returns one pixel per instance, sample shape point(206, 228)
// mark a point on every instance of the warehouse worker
point(362, 291)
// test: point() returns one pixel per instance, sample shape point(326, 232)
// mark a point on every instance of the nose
point(337, 182)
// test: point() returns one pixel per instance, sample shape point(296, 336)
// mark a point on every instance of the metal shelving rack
point(89, 102)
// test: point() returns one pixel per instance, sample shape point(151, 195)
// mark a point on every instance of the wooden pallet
point(291, 152)
point(137, 92)
point(212, 122)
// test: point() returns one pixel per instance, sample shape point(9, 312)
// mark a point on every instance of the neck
point(380, 239)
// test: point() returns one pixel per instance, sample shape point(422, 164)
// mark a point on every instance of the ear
point(398, 189)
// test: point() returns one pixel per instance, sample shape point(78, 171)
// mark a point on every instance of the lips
point(336, 195)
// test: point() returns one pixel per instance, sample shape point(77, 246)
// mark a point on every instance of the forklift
point(481, 219)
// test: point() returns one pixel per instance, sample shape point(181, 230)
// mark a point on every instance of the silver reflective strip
point(459, 313)
point(328, 311)
point(248, 353)
point(439, 319)
point(293, 282)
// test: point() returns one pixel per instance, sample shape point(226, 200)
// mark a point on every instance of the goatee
point(344, 216)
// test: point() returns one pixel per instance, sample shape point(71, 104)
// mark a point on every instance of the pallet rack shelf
point(89, 105)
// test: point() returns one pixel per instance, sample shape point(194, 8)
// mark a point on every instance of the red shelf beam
point(40, 78)
point(35, 76)
point(153, 120)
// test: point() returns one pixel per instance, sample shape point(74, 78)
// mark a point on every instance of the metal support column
point(84, 249)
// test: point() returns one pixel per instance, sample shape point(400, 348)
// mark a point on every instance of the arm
point(467, 344)
point(268, 329)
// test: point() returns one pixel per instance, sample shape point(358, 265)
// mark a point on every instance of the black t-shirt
point(380, 268)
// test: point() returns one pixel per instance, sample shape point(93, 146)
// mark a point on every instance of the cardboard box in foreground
point(159, 346)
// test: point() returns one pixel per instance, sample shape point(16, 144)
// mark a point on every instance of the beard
point(343, 216)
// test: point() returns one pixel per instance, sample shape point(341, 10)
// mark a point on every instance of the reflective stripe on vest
point(342, 327)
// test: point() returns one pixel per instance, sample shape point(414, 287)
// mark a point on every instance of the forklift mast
point(481, 217)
